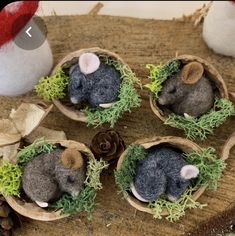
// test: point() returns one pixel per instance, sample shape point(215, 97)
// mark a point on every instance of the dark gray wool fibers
point(159, 174)
point(99, 87)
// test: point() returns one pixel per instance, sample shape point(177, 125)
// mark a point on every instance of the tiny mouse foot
point(106, 105)
point(42, 204)
point(171, 198)
point(187, 116)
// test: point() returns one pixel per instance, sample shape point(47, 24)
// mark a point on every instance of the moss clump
point(85, 201)
point(53, 87)
point(160, 73)
point(128, 97)
point(10, 179)
point(37, 147)
point(210, 171)
point(175, 209)
point(125, 175)
point(205, 124)
point(210, 167)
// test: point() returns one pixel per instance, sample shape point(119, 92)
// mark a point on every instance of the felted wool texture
point(193, 99)
point(218, 28)
point(21, 69)
point(159, 174)
point(45, 178)
point(99, 87)
point(10, 14)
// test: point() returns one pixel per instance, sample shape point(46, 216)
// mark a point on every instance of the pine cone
point(107, 145)
point(8, 218)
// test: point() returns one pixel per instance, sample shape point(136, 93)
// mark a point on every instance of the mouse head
point(177, 184)
point(175, 89)
point(79, 84)
point(67, 172)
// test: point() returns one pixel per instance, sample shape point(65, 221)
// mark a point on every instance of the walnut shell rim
point(71, 112)
point(181, 143)
point(33, 211)
point(213, 74)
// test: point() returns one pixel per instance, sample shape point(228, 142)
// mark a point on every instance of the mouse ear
point(88, 63)
point(72, 158)
point(189, 171)
point(192, 72)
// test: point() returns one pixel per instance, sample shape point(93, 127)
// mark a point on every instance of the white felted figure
point(20, 69)
point(219, 27)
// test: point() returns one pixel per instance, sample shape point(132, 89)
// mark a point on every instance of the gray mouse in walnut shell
point(94, 82)
point(163, 172)
point(188, 92)
point(49, 175)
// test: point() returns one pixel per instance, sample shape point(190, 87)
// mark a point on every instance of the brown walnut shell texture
point(108, 145)
point(186, 146)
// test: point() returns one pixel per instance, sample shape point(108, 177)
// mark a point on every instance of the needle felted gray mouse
point(163, 172)
point(49, 175)
point(188, 92)
point(94, 82)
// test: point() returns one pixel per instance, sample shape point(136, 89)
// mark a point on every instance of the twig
point(95, 10)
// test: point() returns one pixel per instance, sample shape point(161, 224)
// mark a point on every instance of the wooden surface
point(138, 42)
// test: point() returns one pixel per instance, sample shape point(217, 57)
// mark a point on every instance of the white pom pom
point(88, 63)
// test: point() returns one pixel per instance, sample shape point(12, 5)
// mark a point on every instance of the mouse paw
point(171, 198)
point(42, 204)
point(106, 105)
point(187, 116)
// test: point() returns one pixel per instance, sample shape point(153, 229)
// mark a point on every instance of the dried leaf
point(8, 133)
point(49, 134)
point(27, 117)
point(9, 152)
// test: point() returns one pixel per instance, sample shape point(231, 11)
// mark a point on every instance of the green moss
point(128, 97)
point(205, 124)
point(210, 167)
point(176, 209)
point(85, 201)
point(53, 87)
point(10, 179)
point(160, 73)
point(210, 171)
point(37, 147)
point(124, 176)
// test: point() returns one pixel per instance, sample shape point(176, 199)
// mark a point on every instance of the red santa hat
point(12, 12)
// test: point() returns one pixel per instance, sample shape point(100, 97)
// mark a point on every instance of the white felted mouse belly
point(219, 28)
point(21, 69)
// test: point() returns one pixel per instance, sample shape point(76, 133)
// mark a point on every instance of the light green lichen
point(159, 74)
point(54, 86)
point(10, 179)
